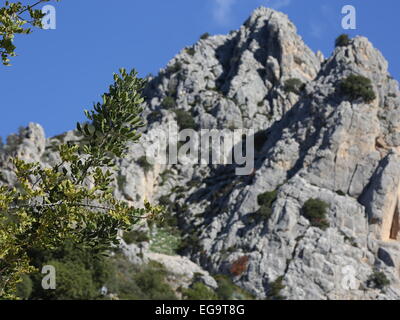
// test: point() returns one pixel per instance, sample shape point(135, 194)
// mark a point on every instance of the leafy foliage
point(315, 211)
point(227, 290)
point(199, 291)
point(135, 236)
point(190, 51)
point(205, 36)
point(165, 240)
point(80, 273)
point(24, 288)
point(176, 67)
point(294, 85)
point(147, 282)
point(14, 16)
point(358, 87)
point(185, 120)
point(169, 103)
point(266, 201)
point(378, 280)
point(73, 200)
point(342, 41)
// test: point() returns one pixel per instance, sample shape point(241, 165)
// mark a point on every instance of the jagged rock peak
point(274, 17)
point(238, 77)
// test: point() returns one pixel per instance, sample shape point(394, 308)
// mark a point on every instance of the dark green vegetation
point(342, 41)
point(378, 280)
point(227, 290)
point(357, 87)
point(294, 85)
point(135, 236)
point(205, 36)
point(169, 103)
point(199, 291)
point(148, 282)
point(190, 51)
point(185, 120)
point(315, 211)
point(265, 201)
point(176, 67)
point(275, 288)
point(81, 275)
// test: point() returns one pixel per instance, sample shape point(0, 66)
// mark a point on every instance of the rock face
point(314, 144)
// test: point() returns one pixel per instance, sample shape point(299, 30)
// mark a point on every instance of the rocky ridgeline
point(311, 143)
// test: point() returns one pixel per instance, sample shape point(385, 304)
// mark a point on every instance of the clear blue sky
point(58, 73)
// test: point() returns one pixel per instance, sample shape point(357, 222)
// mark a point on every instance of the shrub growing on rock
point(358, 87)
point(190, 51)
point(135, 236)
point(185, 120)
point(265, 201)
point(378, 280)
point(199, 291)
point(145, 282)
point(342, 41)
point(315, 211)
point(168, 103)
point(294, 85)
point(275, 288)
point(205, 36)
point(176, 67)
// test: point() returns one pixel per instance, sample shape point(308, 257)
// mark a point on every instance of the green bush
point(146, 282)
point(205, 36)
point(135, 236)
point(80, 273)
point(189, 242)
point(176, 67)
point(24, 288)
point(274, 290)
point(266, 201)
point(199, 291)
point(185, 120)
point(145, 164)
point(165, 240)
point(190, 51)
point(74, 282)
point(342, 41)
point(315, 211)
point(378, 280)
point(294, 85)
point(153, 284)
point(227, 290)
point(169, 102)
point(358, 87)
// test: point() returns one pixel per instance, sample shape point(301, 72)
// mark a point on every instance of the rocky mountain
point(316, 148)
